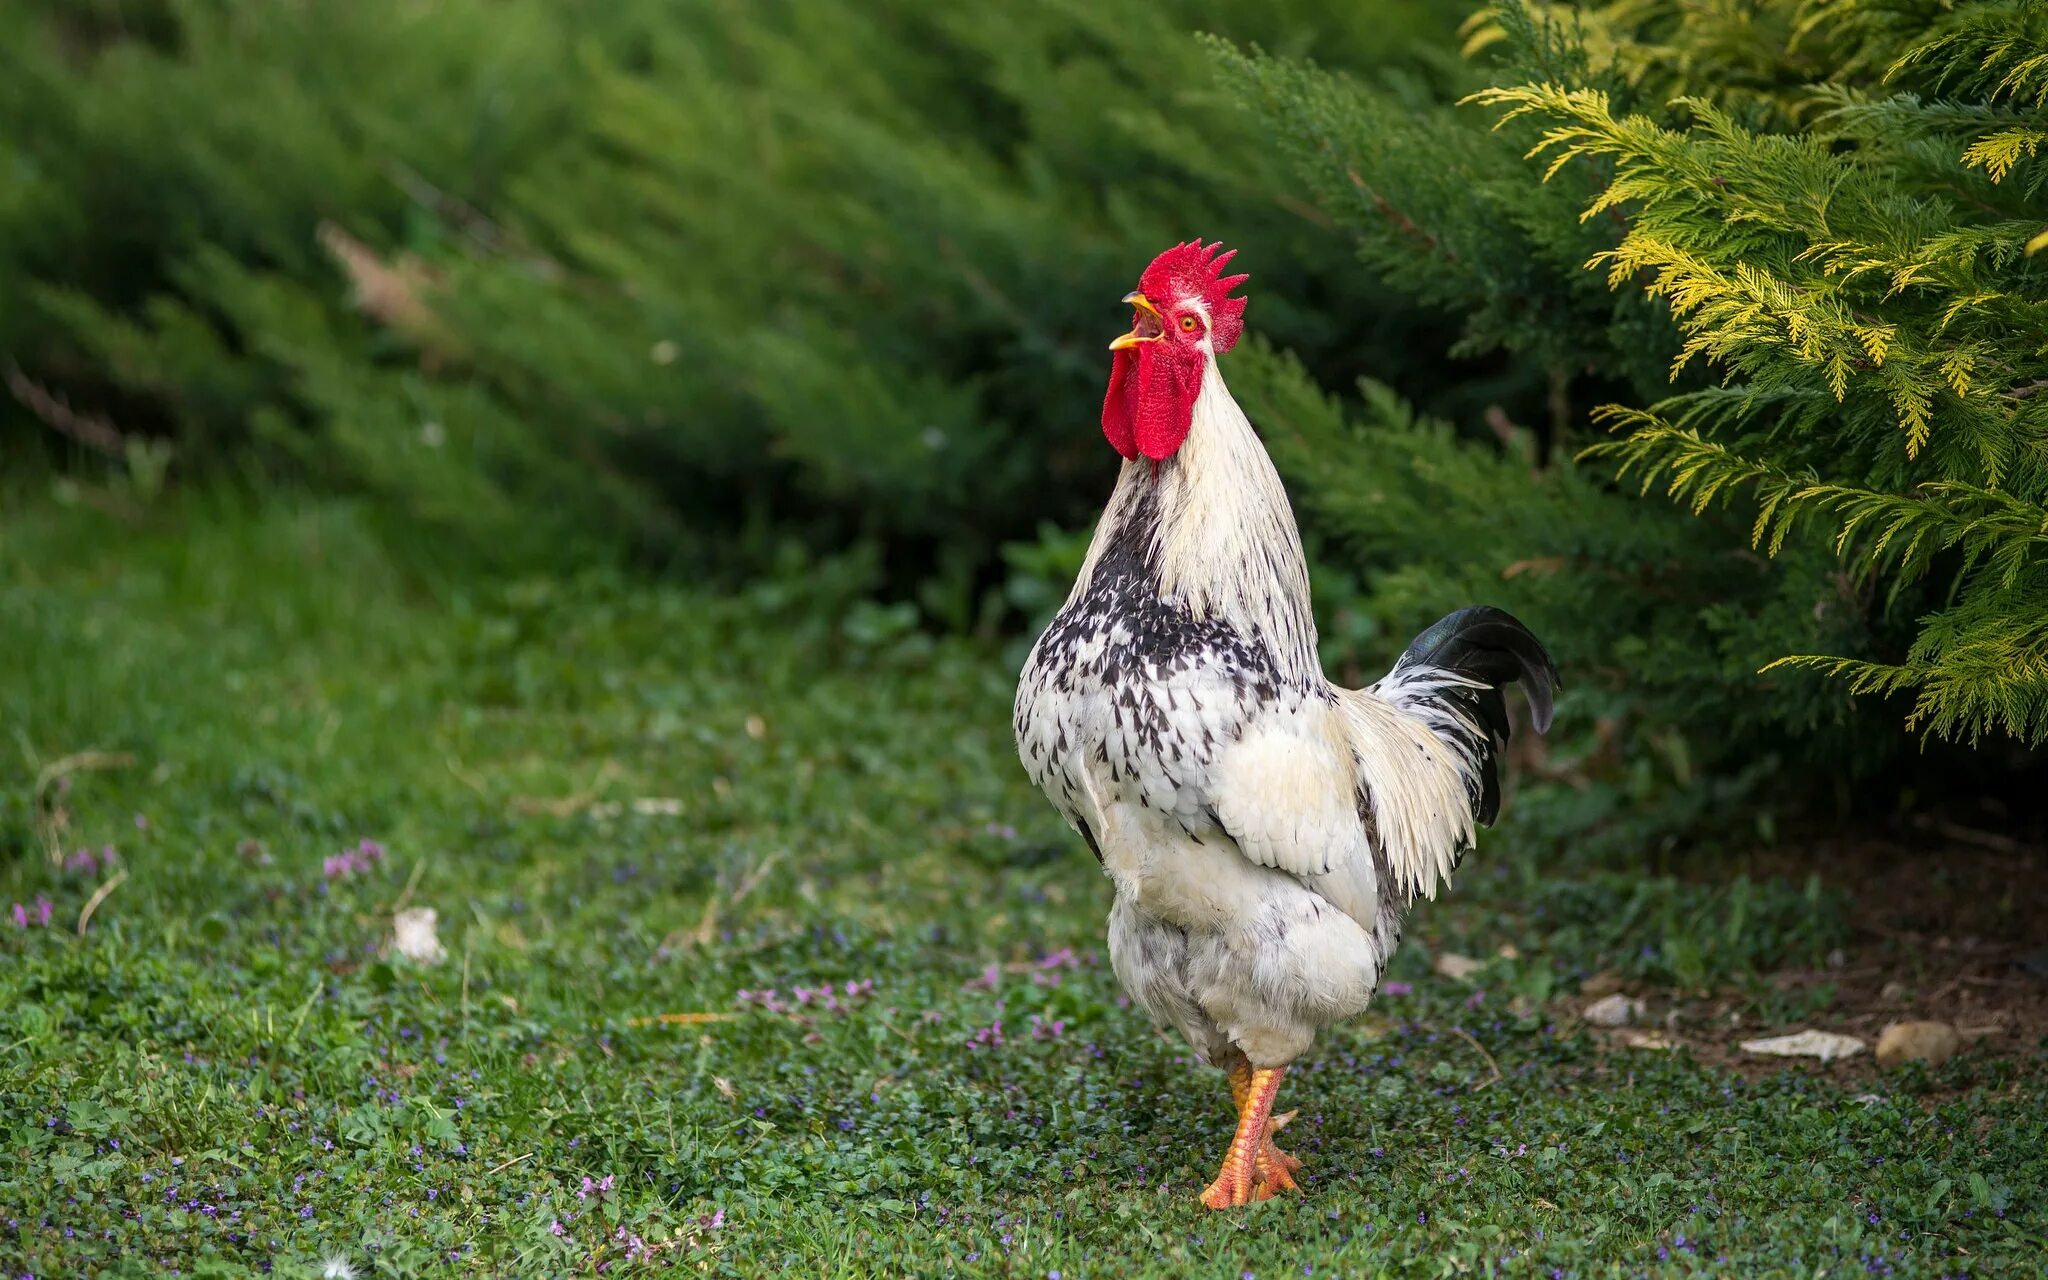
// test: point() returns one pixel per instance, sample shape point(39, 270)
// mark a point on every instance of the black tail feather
point(1490, 646)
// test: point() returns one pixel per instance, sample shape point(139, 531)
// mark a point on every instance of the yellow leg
point(1276, 1168)
point(1238, 1182)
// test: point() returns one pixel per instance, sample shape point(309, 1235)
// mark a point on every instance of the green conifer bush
point(557, 274)
point(1775, 262)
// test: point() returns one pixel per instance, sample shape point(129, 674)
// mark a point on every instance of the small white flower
point(433, 434)
point(336, 1267)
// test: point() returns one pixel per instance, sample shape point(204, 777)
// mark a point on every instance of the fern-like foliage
point(1835, 203)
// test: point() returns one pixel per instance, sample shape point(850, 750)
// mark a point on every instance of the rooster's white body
point(1264, 828)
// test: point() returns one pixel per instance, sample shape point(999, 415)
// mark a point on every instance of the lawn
point(762, 957)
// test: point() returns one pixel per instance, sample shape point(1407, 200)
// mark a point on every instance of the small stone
point(1649, 1040)
point(1616, 1010)
point(1456, 967)
point(1930, 1042)
point(1893, 992)
point(1604, 983)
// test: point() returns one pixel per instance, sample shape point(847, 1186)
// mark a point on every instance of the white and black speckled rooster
point(1265, 829)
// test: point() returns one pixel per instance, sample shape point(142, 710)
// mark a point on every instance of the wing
point(1356, 798)
point(1287, 791)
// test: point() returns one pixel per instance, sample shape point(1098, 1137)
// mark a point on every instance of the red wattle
point(1168, 383)
point(1119, 410)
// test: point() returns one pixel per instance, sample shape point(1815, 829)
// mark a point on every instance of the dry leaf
point(1459, 968)
point(414, 937)
point(1825, 1045)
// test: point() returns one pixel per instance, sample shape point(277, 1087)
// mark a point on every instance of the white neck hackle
point(1226, 543)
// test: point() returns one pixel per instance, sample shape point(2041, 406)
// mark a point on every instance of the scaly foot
point(1275, 1168)
point(1253, 1168)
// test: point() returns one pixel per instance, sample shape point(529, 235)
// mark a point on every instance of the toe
point(1274, 1179)
point(1227, 1193)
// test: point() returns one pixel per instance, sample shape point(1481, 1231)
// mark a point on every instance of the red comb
point(1191, 271)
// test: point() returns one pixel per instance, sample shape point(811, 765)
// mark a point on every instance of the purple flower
point(1397, 989)
point(990, 977)
point(349, 862)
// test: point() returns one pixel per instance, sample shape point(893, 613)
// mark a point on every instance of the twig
point(468, 950)
point(1491, 1064)
point(77, 760)
point(99, 895)
point(464, 775)
point(752, 879)
point(411, 883)
point(707, 924)
point(576, 802)
point(93, 432)
point(508, 1164)
point(906, 1037)
point(1935, 996)
point(680, 1019)
point(1994, 840)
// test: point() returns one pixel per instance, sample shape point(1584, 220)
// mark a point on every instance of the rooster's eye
point(1188, 324)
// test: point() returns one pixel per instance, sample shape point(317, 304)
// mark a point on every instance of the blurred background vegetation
point(816, 292)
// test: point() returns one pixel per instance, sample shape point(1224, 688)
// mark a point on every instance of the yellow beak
point(1149, 318)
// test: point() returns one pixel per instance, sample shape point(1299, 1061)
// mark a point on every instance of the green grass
point(227, 1070)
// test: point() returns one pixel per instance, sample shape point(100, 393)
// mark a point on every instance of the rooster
point(1265, 830)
